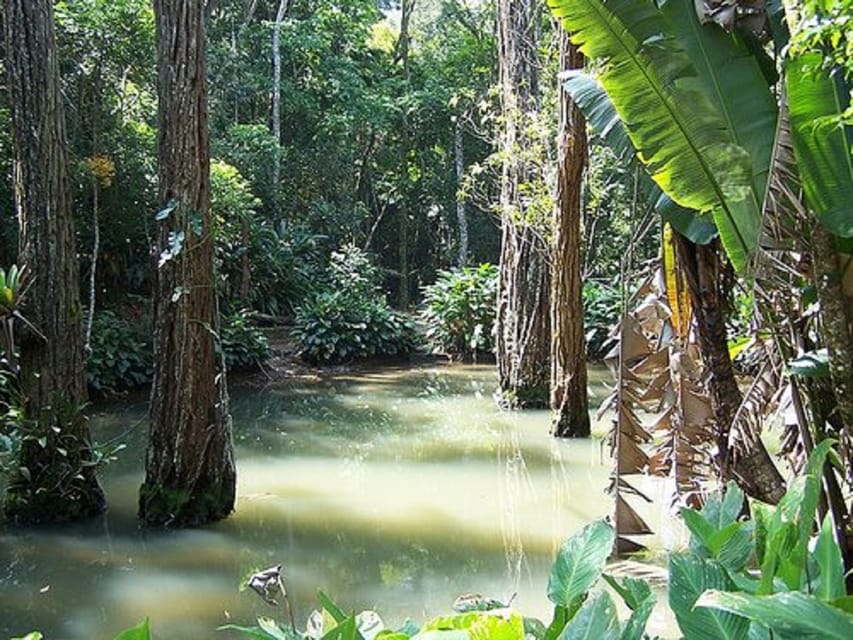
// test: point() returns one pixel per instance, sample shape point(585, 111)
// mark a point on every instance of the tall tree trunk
point(523, 317)
point(836, 322)
point(461, 218)
point(752, 469)
point(569, 399)
point(56, 480)
point(276, 102)
point(190, 476)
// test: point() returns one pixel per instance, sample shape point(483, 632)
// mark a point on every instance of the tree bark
point(276, 101)
point(523, 317)
point(569, 400)
point(461, 218)
point(836, 322)
point(56, 479)
point(752, 469)
point(190, 475)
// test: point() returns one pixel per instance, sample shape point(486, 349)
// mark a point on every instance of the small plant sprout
point(267, 584)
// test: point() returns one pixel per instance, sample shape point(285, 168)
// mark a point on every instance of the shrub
point(350, 318)
point(244, 345)
point(601, 314)
point(459, 310)
point(121, 356)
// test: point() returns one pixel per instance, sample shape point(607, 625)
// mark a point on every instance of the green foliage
point(121, 356)
point(244, 345)
point(338, 327)
point(799, 591)
point(579, 563)
point(139, 632)
point(601, 304)
point(265, 268)
point(349, 319)
point(695, 104)
point(459, 311)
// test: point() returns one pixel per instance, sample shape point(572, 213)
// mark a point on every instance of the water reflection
point(394, 490)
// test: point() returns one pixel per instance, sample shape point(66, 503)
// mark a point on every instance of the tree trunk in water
point(276, 102)
point(56, 480)
point(461, 218)
point(753, 469)
point(523, 314)
point(569, 399)
point(190, 476)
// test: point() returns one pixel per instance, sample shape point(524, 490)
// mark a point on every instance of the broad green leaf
point(32, 635)
point(793, 613)
point(595, 620)
point(689, 577)
point(345, 630)
point(139, 632)
point(579, 563)
point(812, 364)
point(478, 625)
point(845, 604)
point(591, 98)
point(328, 605)
point(639, 597)
point(732, 74)
point(701, 530)
point(671, 113)
point(816, 101)
point(827, 553)
point(633, 591)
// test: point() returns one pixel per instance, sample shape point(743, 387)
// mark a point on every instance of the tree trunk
point(190, 475)
point(523, 317)
point(461, 218)
point(568, 349)
point(56, 481)
point(836, 319)
point(276, 102)
point(752, 469)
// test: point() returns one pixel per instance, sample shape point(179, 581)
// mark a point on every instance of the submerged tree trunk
point(752, 469)
point(461, 218)
point(523, 317)
point(569, 400)
point(190, 477)
point(56, 478)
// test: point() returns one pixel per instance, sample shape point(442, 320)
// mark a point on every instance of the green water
point(394, 490)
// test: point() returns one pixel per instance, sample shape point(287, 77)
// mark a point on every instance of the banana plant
point(695, 104)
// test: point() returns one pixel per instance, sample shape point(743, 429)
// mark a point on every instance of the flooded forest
point(426, 319)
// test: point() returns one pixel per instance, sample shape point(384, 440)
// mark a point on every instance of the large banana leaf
point(816, 101)
point(591, 98)
point(793, 614)
point(673, 117)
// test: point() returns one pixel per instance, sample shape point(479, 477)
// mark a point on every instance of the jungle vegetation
point(664, 183)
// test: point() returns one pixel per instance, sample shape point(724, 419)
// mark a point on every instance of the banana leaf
point(591, 98)
point(690, 148)
point(822, 146)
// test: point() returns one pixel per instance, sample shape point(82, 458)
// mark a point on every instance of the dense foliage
point(121, 355)
point(459, 311)
point(349, 318)
point(244, 345)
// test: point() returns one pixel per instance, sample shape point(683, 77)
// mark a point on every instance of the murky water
point(395, 490)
